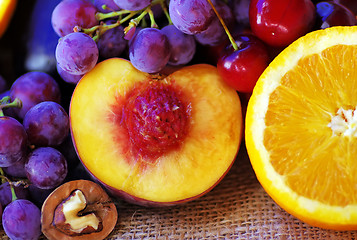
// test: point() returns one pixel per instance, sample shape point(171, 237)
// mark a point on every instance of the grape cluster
point(35, 151)
point(151, 34)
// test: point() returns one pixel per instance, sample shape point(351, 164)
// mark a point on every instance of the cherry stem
point(231, 39)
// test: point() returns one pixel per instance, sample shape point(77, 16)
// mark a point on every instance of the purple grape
point(110, 6)
point(149, 50)
point(67, 77)
point(132, 5)
point(191, 16)
point(13, 141)
point(70, 13)
point(77, 53)
point(215, 33)
point(46, 124)
point(21, 192)
point(32, 88)
point(21, 220)
point(17, 169)
point(46, 167)
point(183, 46)
point(112, 42)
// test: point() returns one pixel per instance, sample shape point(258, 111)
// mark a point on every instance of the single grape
point(334, 14)
point(21, 220)
point(46, 167)
point(13, 141)
point(132, 5)
point(17, 169)
point(32, 88)
point(70, 13)
point(280, 22)
point(112, 43)
point(191, 16)
point(21, 192)
point(77, 53)
point(68, 77)
point(183, 46)
point(215, 33)
point(241, 68)
point(110, 6)
point(46, 124)
point(149, 51)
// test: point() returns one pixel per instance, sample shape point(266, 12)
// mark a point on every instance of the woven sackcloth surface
point(237, 208)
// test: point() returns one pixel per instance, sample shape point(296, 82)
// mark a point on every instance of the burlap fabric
point(237, 208)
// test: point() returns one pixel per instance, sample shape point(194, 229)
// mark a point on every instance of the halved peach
point(7, 9)
point(155, 140)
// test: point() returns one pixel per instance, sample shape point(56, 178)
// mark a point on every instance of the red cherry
point(241, 68)
point(280, 22)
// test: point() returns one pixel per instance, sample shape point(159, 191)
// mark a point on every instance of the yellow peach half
point(155, 140)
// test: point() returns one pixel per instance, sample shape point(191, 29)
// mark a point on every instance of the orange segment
point(7, 8)
point(301, 128)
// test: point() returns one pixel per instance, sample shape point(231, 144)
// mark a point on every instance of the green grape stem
point(13, 193)
point(231, 39)
point(98, 30)
point(102, 16)
point(2, 176)
point(5, 103)
point(166, 12)
point(152, 18)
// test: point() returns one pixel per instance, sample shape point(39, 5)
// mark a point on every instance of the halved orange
point(301, 128)
point(7, 9)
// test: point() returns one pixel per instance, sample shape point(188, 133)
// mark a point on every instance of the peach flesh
point(188, 168)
